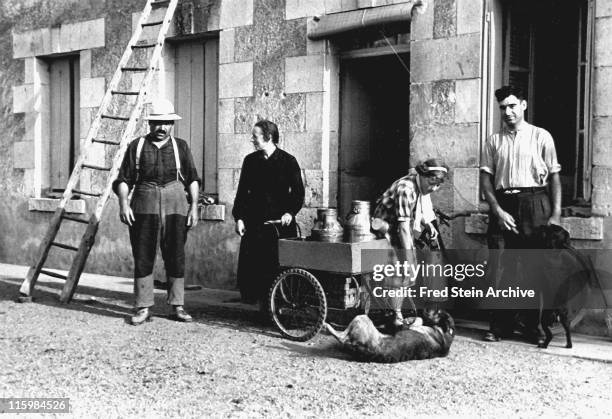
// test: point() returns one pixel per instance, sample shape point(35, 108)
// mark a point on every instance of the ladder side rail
point(27, 286)
point(88, 238)
point(95, 125)
point(78, 263)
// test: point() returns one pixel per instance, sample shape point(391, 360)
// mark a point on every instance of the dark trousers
point(530, 209)
point(172, 235)
point(258, 259)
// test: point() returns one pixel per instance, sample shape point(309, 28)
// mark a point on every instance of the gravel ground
point(226, 364)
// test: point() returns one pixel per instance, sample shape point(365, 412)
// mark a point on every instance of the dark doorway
point(374, 126)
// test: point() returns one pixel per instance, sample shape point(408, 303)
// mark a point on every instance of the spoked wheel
point(297, 304)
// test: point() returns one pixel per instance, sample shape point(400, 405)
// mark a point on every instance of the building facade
point(360, 89)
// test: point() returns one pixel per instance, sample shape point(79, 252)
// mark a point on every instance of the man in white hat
point(159, 167)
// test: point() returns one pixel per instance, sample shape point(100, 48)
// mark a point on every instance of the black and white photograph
point(305, 208)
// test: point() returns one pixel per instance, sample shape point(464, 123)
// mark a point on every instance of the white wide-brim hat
point(162, 110)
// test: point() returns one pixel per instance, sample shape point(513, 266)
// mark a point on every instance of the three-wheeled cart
point(315, 276)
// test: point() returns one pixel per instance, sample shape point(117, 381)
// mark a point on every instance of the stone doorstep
point(594, 348)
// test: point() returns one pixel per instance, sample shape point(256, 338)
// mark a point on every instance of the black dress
point(268, 188)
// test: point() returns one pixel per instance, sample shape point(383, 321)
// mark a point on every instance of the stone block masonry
point(236, 13)
point(446, 58)
point(304, 74)
point(235, 80)
point(65, 38)
point(295, 9)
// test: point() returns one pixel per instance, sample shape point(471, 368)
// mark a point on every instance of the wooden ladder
point(87, 241)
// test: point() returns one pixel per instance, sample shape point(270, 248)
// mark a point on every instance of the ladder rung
point(75, 219)
point(78, 192)
point(106, 142)
point(56, 275)
point(91, 166)
point(134, 68)
point(159, 22)
point(159, 2)
point(119, 118)
point(144, 46)
point(119, 92)
point(64, 246)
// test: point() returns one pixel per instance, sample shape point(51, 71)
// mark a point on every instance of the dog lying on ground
point(430, 338)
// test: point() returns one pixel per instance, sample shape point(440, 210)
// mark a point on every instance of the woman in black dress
point(270, 188)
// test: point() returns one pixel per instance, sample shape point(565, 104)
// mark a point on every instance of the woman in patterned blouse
point(404, 211)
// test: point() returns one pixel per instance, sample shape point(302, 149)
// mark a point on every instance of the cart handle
point(274, 224)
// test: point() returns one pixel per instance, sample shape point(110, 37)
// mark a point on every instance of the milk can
point(357, 224)
point(327, 228)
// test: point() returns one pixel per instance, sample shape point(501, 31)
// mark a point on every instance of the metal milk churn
point(327, 228)
point(357, 224)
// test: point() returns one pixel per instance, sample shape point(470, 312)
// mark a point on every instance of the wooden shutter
point(582, 185)
point(196, 99)
point(211, 72)
point(64, 119)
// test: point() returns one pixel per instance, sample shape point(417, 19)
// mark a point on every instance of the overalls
point(159, 209)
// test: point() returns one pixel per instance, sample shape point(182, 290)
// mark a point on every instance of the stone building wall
point(268, 68)
point(445, 111)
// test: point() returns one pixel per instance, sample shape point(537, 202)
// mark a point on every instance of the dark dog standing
point(430, 339)
point(556, 290)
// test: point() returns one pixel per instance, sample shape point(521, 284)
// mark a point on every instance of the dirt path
point(226, 365)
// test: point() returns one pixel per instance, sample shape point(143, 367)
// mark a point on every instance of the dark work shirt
point(157, 165)
point(268, 188)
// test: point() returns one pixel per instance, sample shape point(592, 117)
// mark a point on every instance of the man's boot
point(141, 316)
point(179, 314)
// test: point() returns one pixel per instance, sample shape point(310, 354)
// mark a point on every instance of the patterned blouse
point(398, 201)
point(403, 201)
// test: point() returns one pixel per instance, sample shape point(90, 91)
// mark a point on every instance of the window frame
point(582, 177)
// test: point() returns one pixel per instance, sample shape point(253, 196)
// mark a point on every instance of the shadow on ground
point(116, 304)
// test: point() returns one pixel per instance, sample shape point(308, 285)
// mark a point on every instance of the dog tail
point(341, 336)
point(593, 278)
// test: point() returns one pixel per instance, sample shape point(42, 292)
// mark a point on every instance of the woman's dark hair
point(269, 130)
point(505, 91)
point(423, 168)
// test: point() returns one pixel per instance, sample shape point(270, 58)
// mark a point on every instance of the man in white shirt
point(519, 177)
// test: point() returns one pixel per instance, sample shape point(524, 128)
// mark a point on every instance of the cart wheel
point(297, 304)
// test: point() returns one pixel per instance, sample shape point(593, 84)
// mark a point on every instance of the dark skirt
point(258, 259)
